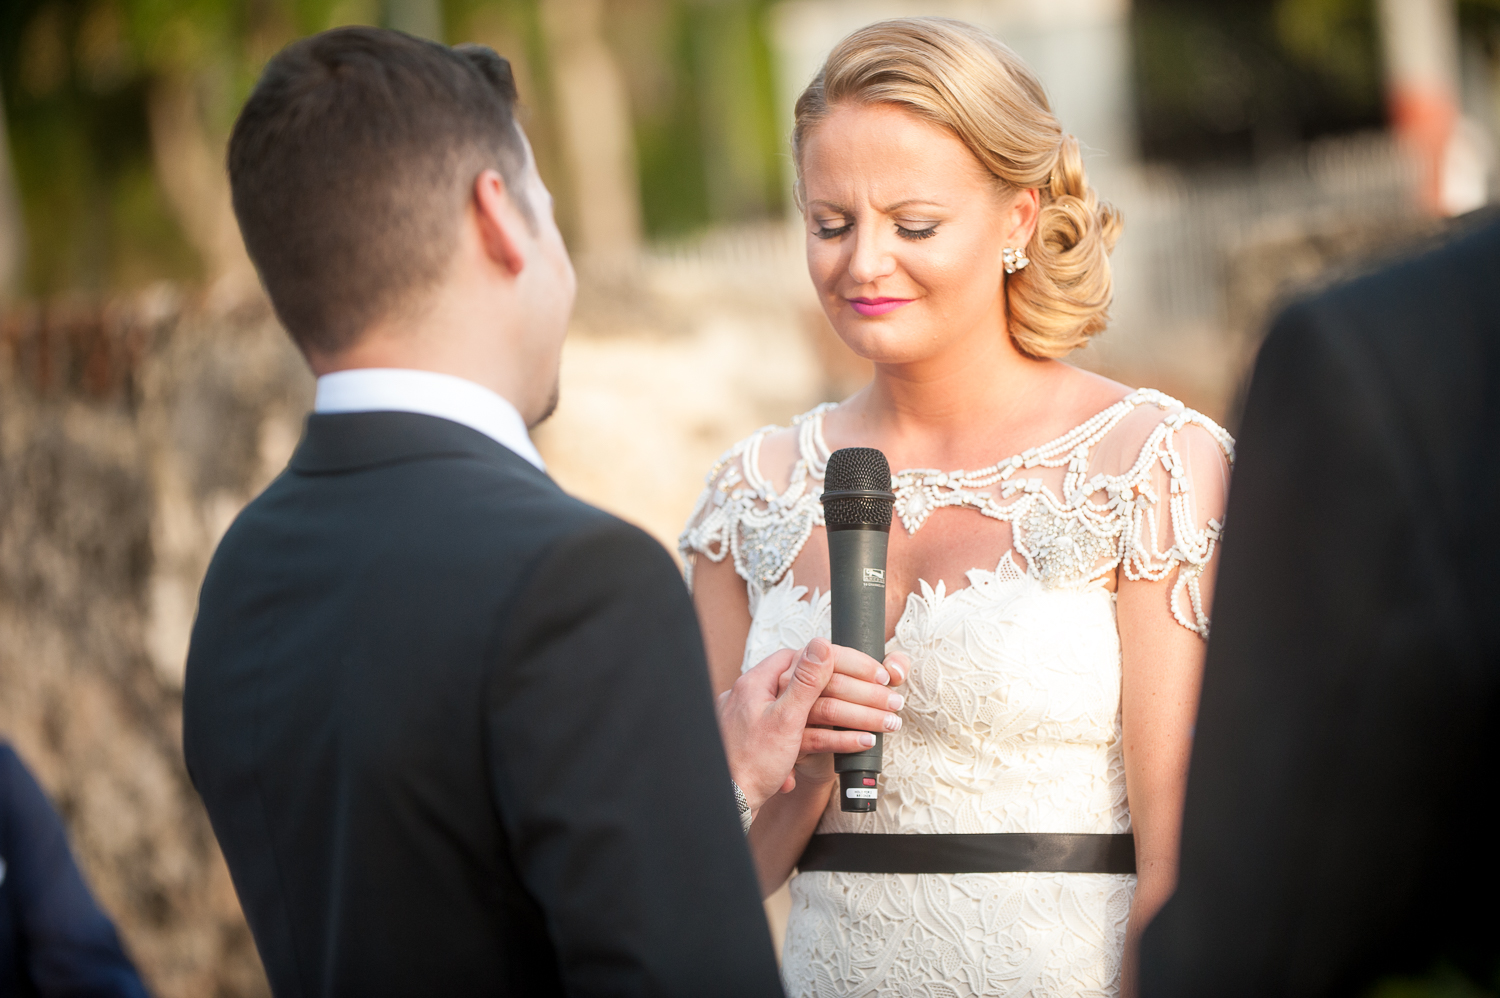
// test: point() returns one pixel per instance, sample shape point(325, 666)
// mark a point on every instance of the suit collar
point(340, 442)
point(383, 389)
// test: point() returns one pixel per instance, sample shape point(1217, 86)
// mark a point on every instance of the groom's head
point(391, 204)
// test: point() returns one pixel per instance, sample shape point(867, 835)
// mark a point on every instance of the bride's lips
point(878, 306)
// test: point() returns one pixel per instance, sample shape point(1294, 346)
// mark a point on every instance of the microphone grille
point(858, 469)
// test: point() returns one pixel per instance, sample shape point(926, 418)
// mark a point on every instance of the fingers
point(854, 703)
point(858, 665)
point(816, 741)
point(851, 663)
point(810, 674)
point(865, 694)
point(829, 712)
point(765, 677)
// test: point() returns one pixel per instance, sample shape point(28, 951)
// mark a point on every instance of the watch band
point(746, 816)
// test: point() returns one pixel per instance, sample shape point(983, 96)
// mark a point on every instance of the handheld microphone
point(857, 503)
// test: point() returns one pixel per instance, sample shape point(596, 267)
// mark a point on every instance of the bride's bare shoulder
point(779, 452)
point(1089, 392)
point(766, 461)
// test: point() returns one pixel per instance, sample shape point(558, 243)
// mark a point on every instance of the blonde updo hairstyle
point(955, 75)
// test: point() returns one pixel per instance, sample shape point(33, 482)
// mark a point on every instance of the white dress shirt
point(387, 389)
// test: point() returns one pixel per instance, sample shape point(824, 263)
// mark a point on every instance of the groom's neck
point(437, 341)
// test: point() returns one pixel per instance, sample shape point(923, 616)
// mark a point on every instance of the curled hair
point(956, 76)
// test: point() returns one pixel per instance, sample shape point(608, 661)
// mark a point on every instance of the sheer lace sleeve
point(741, 515)
point(710, 526)
point(1173, 500)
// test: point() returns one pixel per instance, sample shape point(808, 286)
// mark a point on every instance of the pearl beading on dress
point(1071, 541)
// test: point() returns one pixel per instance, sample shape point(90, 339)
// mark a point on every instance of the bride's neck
point(944, 398)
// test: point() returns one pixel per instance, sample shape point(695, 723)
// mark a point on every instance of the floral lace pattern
point(1011, 724)
point(1072, 532)
point(1012, 719)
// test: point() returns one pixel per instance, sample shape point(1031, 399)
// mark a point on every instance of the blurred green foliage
point(1238, 80)
point(1245, 79)
point(79, 78)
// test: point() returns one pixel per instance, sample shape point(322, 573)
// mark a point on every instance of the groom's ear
point(502, 225)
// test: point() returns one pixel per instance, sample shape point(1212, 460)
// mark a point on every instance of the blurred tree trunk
point(737, 121)
point(12, 226)
point(598, 146)
point(189, 165)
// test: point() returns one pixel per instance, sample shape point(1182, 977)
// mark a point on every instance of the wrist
point(747, 813)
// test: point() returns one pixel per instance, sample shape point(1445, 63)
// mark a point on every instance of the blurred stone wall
point(129, 436)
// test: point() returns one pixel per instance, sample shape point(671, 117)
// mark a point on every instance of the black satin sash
point(1011, 852)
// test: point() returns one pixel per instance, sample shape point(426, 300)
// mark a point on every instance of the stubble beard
point(550, 408)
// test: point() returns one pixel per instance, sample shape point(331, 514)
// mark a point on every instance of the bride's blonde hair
point(955, 75)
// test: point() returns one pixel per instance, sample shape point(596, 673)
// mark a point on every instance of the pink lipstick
point(878, 306)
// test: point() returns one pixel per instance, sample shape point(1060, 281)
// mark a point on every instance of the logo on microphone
point(875, 578)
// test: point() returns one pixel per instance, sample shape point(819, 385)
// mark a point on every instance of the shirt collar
point(385, 389)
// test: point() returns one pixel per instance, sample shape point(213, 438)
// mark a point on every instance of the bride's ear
point(1020, 217)
point(501, 224)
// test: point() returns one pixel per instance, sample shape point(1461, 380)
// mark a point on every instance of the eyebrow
point(890, 208)
point(887, 210)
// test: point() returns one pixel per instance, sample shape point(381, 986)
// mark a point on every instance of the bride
point(1051, 598)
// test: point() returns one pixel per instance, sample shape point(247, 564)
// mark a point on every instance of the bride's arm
point(1163, 670)
point(1162, 663)
point(723, 606)
point(786, 821)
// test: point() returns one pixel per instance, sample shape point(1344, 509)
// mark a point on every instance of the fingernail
point(867, 740)
point(897, 701)
point(882, 677)
point(900, 670)
point(892, 723)
point(816, 651)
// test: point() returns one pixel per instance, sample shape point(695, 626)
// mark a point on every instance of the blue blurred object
point(54, 940)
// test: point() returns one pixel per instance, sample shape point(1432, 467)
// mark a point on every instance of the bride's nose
point(871, 258)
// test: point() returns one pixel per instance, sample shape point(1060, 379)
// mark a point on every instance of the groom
point(453, 728)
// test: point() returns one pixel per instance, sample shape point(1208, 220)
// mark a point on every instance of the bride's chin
point(887, 344)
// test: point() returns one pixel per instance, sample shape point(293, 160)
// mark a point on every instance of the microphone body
point(857, 504)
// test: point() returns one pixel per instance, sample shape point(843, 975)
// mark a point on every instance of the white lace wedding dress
point(1012, 720)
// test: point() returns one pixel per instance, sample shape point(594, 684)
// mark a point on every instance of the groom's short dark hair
point(351, 164)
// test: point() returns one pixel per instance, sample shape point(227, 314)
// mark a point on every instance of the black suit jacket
point(54, 940)
point(1339, 822)
point(455, 734)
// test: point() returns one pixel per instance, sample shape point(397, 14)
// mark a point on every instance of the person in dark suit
point(453, 727)
point(54, 940)
point(1338, 826)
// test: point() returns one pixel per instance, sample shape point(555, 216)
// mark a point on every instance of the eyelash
point(826, 233)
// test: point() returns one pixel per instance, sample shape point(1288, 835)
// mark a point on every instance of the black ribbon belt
point(1010, 852)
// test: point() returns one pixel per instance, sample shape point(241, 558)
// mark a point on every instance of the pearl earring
point(1015, 259)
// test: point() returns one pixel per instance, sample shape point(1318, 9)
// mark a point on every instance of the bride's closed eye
point(909, 232)
point(831, 228)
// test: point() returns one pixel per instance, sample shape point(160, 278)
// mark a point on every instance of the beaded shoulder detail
point(1073, 520)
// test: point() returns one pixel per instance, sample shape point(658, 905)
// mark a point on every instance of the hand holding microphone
point(765, 718)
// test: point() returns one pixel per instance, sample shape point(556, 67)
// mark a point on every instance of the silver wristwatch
point(746, 817)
